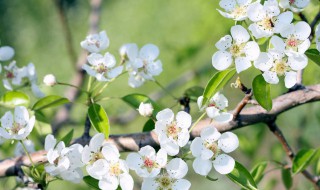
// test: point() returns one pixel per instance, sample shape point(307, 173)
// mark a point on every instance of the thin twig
point(278, 133)
point(313, 25)
point(242, 104)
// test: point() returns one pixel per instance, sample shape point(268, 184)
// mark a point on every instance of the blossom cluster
point(288, 41)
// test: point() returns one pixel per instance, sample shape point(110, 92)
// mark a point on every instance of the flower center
point(101, 68)
point(148, 163)
point(266, 24)
point(239, 11)
point(96, 156)
point(292, 43)
point(94, 41)
point(173, 130)
point(165, 182)
point(115, 169)
point(16, 128)
point(280, 67)
point(291, 2)
point(237, 49)
point(10, 75)
point(213, 147)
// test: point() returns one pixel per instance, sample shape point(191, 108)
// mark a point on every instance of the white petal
point(223, 117)
point(304, 46)
point(104, 40)
point(166, 115)
point(134, 161)
point(181, 184)
point(256, 12)
point(221, 60)
point(212, 112)
point(89, 70)
point(161, 158)
point(220, 101)
point(278, 43)
point(301, 3)
point(6, 53)
point(183, 119)
point(252, 50)
point(154, 68)
point(21, 115)
point(7, 120)
point(264, 61)
point(161, 127)
point(283, 21)
point(270, 77)
point(290, 79)
point(196, 147)
point(109, 59)
point(149, 52)
point(228, 142)
point(96, 142)
point(177, 168)
point(147, 151)
point(289, 31)
point(183, 137)
point(126, 182)
point(110, 152)
point(110, 183)
point(224, 164)
point(228, 5)
point(36, 91)
point(224, 43)
point(115, 72)
point(199, 102)
point(171, 148)
point(202, 167)
point(239, 34)
point(297, 61)
point(302, 30)
point(242, 63)
point(149, 184)
point(95, 58)
point(50, 142)
point(98, 169)
point(132, 51)
point(210, 134)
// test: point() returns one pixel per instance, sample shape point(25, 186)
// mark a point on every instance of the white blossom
point(19, 150)
point(172, 132)
point(171, 179)
point(234, 9)
point(142, 65)
point(267, 19)
point(17, 126)
point(145, 109)
point(95, 43)
point(317, 36)
point(147, 163)
point(215, 108)
point(13, 75)
point(49, 80)
point(235, 48)
point(6, 53)
point(102, 67)
point(33, 78)
point(294, 5)
point(208, 151)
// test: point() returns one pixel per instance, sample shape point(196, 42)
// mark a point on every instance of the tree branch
point(313, 25)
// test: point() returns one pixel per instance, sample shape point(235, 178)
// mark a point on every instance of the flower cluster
point(287, 44)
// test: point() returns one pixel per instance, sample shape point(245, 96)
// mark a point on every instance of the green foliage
point(216, 83)
point(286, 177)
point(91, 182)
point(314, 55)
point(261, 91)
point(242, 177)
point(14, 98)
point(194, 92)
point(148, 126)
point(67, 138)
point(258, 171)
point(303, 159)
point(49, 102)
point(99, 119)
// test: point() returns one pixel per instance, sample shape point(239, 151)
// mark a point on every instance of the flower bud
point(6, 53)
point(49, 80)
point(145, 109)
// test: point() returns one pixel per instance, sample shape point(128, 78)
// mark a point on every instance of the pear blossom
point(33, 78)
point(142, 65)
point(267, 19)
point(14, 75)
point(145, 109)
point(17, 126)
point(117, 171)
point(102, 67)
point(207, 149)
point(294, 5)
point(234, 9)
point(49, 80)
point(6, 53)
point(235, 48)
point(317, 35)
point(19, 150)
point(172, 179)
point(95, 43)
point(147, 163)
point(172, 131)
point(215, 108)
point(125, 48)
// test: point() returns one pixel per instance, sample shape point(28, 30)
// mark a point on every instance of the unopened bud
point(145, 109)
point(49, 80)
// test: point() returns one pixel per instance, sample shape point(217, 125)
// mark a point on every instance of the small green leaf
point(41, 117)
point(148, 126)
point(49, 101)
point(303, 158)
point(242, 177)
point(134, 101)
point(99, 119)
point(90, 181)
point(314, 55)
point(258, 171)
point(211, 178)
point(286, 178)
point(13, 98)
point(194, 92)
point(261, 90)
point(217, 82)
point(67, 138)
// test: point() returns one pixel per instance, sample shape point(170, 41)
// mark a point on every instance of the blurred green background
point(185, 32)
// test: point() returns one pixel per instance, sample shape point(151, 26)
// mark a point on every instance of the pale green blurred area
point(185, 32)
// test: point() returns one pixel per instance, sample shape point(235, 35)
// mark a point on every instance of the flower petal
point(177, 168)
point(224, 164)
point(224, 117)
point(252, 50)
point(149, 52)
point(165, 115)
point(224, 43)
point(302, 30)
point(126, 182)
point(270, 77)
point(202, 167)
point(183, 120)
point(264, 61)
point(221, 60)
point(181, 184)
point(228, 142)
point(242, 63)
point(210, 134)
point(290, 79)
point(239, 34)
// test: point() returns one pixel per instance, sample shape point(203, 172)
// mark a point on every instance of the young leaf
point(258, 171)
point(148, 126)
point(134, 101)
point(194, 92)
point(261, 90)
point(49, 101)
point(99, 119)
point(286, 178)
point(217, 82)
point(303, 159)
point(314, 55)
point(91, 182)
point(242, 177)
point(13, 98)
point(68, 137)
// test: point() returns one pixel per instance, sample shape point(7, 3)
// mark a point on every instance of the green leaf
point(148, 126)
point(286, 178)
point(217, 82)
point(303, 158)
point(90, 181)
point(242, 177)
point(314, 55)
point(41, 117)
point(49, 101)
point(258, 171)
point(261, 90)
point(13, 98)
point(99, 119)
point(211, 178)
point(194, 92)
point(134, 101)
point(67, 138)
